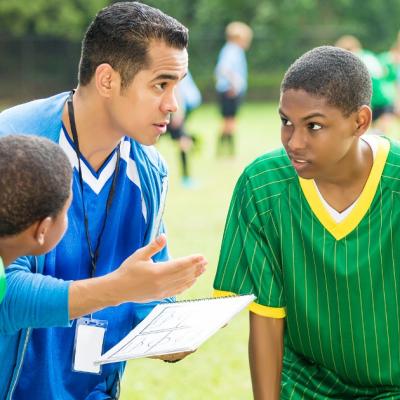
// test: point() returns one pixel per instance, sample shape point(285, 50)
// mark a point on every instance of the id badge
point(88, 346)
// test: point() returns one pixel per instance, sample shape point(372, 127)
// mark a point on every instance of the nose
point(170, 103)
point(296, 141)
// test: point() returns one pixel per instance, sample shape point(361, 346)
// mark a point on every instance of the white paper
point(175, 327)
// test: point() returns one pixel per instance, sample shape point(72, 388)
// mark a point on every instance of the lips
point(162, 123)
point(161, 127)
point(299, 163)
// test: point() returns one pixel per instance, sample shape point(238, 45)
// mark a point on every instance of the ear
point(363, 120)
point(107, 80)
point(41, 230)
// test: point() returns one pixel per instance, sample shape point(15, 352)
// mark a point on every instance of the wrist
point(108, 290)
point(90, 295)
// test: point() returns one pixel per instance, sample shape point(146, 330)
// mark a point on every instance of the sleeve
point(249, 258)
point(33, 300)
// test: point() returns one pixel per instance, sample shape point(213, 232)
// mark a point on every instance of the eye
point(314, 126)
point(161, 86)
point(286, 122)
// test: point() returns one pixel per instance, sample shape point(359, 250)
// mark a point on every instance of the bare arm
point(138, 279)
point(265, 355)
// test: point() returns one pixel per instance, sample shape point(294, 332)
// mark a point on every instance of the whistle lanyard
point(93, 252)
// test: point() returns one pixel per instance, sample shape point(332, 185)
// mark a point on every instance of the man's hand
point(138, 279)
point(173, 358)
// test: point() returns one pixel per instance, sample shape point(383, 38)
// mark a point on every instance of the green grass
point(195, 220)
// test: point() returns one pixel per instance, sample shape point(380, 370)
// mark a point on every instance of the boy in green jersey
point(35, 194)
point(311, 231)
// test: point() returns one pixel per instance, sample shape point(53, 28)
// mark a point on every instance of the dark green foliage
point(283, 29)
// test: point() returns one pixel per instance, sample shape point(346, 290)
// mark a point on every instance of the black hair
point(35, 181)
point(120, 35)
point(333, 73)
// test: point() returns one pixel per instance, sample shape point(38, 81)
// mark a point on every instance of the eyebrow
point(167, 77)
point(313, 115)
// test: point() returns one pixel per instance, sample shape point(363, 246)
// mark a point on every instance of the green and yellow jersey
point(337, 284)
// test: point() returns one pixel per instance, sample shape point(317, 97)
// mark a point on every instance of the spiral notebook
point(176, 327)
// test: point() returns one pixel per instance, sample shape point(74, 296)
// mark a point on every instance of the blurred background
point(40, 39)
point(39, 54)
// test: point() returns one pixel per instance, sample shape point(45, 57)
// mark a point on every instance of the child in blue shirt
point(231, 80)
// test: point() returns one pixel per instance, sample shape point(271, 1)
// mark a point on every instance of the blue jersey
point(189, 93)
point(38, 364)
point(70, 260)
point(231, 69)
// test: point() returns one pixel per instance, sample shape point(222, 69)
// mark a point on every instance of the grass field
point(195, 220)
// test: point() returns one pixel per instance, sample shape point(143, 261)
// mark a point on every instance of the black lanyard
point(94, 255)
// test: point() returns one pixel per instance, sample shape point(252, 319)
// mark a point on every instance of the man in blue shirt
point(231, 80)
point(132, 58)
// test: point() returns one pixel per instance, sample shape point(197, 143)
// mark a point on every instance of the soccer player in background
point(132, 58)
point(311, 231)
point(383, 75)
point(35, 177)
point(231, 81)
point(188, 97)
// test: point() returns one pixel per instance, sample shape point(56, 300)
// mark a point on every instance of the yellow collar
point(343, 228)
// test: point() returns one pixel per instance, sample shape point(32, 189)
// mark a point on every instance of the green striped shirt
point(337, 284)
point(2, 280)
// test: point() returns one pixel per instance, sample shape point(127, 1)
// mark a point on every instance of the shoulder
point(229, 50)
point(148, 159)
point(39, 117)
point(272, 168)
point(391, 171)
point(269, 176)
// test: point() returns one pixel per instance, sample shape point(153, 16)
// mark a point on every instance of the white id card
point(89, 339)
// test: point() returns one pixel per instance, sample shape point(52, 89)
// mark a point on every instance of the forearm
point(33, 300)
point(265, 356)
point(90, 295)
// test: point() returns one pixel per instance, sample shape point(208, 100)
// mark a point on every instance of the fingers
point(179, 288)
point(151, 249)
point(177, 276)
point(185, 267)
point(173, 358)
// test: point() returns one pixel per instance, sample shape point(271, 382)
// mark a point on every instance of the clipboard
point(176, 327)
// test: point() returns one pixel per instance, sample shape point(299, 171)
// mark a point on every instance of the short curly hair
point(333, 73)
point(35, 181)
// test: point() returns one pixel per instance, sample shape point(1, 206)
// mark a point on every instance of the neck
point(10, 250)
point(345, 186)
point(96, 137)
point(355, 166)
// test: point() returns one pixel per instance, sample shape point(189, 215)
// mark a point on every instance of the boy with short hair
point(311, 232)
point(231, 80)
point(35, 177)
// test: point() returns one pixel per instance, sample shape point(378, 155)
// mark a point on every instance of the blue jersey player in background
point(231, 80)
